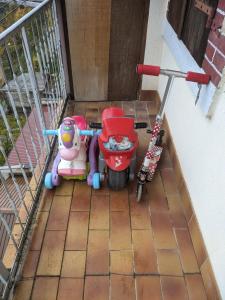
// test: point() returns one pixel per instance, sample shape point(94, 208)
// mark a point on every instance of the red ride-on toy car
point(118, 142)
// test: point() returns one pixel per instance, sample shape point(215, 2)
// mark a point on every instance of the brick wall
point(214, 60)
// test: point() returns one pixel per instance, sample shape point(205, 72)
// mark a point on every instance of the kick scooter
point(155, 148)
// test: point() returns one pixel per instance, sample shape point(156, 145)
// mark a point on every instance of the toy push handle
point(148, 70)
point(89, 132)
point(140, 125)
point(50, 132)
point(198, 77)
point(95, 125)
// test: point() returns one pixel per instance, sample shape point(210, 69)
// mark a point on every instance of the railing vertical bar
point(4, 273)
point(50, 48)
point(48, 58)
point(57, 38)
point(8, 230)
point(34, 85)
point(18, 189)
point(23, 108)
point(55, 50)
point(12, 203)
point(52, 51)
point(40, 51)
point(16, 150)
point(27, 92)
point(43, 70)
point(43, 75)
point(11, 100)
point(47, 68)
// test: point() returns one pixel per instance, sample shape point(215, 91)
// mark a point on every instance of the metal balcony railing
point(32, 97)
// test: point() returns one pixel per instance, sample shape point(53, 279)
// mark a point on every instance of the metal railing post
point(34, 84)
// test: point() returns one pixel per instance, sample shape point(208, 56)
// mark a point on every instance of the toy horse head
point(69, 139)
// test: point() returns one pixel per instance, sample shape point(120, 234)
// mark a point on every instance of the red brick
point(221, 5)
point(217, 21)
point(219, 61)
point(210, 50)
point(217, 40)
point(215, 77)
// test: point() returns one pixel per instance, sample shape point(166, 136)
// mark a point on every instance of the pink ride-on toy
point(75, 149)
point(154, 151)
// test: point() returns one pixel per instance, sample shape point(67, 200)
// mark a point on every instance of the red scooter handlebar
point(198, 77)
point(189, 76)
point(148, 70)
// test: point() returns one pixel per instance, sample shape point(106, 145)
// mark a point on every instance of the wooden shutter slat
point(195, 33)
point(176, 13)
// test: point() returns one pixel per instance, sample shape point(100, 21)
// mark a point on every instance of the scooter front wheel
point(139, 192)
point(117, 180)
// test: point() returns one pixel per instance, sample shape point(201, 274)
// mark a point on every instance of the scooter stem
point(165, 96)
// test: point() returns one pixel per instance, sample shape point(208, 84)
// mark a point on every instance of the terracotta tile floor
point(101, 245)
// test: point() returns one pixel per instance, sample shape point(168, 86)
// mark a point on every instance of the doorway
point(106, 41)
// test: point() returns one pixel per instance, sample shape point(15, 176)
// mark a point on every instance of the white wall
point(200, 145)
point(153, 49)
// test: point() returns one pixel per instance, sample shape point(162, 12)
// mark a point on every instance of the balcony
point(90, 244)
point(74, 242)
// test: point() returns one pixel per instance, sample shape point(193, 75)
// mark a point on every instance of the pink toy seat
point(81, 123)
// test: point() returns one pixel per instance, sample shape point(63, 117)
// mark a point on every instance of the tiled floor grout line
point(67, 225)
point(109, 245)
point(132, 245)
point(85, 267)
point(35, 274)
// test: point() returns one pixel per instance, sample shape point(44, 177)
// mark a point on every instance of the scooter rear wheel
point(139, 192)
point(117, 180)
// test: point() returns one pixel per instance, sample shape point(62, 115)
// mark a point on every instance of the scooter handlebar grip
point(148, 70)
point(198, 77)
point(140, 125)
point(95, 125)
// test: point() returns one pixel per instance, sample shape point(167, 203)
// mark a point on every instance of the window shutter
point(194, 33)
point(175, 14)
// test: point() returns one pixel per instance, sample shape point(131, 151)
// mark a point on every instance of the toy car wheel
point(117, 180)
point(159, 139)
point(139, 192)
point(96, 181)
point(48, 181)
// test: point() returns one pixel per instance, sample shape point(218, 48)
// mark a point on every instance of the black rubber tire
point(159, 139)
point(139, 192)
point(117, 180)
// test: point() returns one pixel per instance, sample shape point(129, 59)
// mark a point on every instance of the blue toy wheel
point(48, 181)
point(96, 181)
